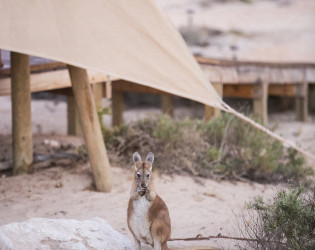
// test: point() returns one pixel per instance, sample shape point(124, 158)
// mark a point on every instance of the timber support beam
point(117, 107)
point(91, 128)
point(301, 102)
point(260, 102)
point(21, 113)
point(74, 127)
point(211, 112)
point(167, 104)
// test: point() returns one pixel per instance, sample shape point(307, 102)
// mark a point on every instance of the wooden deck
point(237, 79)
point(233, 79)
point(258, 80)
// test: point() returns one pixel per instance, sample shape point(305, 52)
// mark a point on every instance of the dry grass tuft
point(223, 148)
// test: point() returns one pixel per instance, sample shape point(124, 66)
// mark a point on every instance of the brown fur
point(157, 215)
point(160, 221)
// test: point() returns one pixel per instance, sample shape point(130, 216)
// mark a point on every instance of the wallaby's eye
point(148, 175)
point(138, 175)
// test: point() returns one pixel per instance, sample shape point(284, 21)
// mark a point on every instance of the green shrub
point(286, 222)
point(167, 129)
point(223, 148)
point(108, 133)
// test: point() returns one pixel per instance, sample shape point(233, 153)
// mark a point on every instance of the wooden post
point(311, 96)
point(301, 102)
point(91, 128)
point(74, 127)
point(98, 92)
point(260, 102)
point(1, 64)
point(211, 112)
point(167, 104)
point(21, 113)
point(108, 90)
point(117, 108)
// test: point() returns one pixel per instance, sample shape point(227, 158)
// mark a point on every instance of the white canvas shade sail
point(132, 40)
point(129, 39)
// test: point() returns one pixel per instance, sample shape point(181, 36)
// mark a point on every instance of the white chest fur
point(139, 221)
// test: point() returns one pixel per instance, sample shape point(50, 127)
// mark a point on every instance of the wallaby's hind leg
point(160, 231)
point(158, 246)
point(164, 246)
point(137, 244)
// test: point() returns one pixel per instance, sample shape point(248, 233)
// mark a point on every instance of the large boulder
point(40, 233)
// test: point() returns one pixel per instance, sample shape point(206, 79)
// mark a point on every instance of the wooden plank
point(301, 103)
point(220, 74)
point(250, 90)
point(117, 107)
point(251, 74)
point(21, 114)
point(211, 112)
point(239, 91)
point(285, 90)
point(286, 75)
point(50, 80)
point(260, 102)
point(37, 68)
point(126, 86)
point(225, 62)
point(167, 104)
point(254, 74)
point(64, 91)
point(73, 125)
point(91, 128)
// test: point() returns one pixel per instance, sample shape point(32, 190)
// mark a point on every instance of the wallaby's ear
point(136, 157)
point(150, 157)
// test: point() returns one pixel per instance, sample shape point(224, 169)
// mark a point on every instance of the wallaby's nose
point(142, 185)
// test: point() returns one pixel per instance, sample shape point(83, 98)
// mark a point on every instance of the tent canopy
point(132, 40)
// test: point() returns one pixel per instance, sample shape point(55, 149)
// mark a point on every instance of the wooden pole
point(301, 102)
point(311, 89)
point(211, 112)
point(74, 127)
point(260, 102)
point(21, 113)
point(108, 90)
point(117, 108)
point(91, 128)
point(98, 92)
point(1, 64)
point(167, 104)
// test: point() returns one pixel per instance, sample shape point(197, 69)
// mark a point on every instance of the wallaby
point(147, 217)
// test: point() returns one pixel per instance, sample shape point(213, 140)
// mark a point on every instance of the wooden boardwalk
point(252, 80)
point(237, 79)
point(230, 78)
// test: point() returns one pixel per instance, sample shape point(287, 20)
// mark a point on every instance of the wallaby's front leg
point(137, 244)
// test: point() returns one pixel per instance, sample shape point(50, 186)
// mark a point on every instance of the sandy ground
point(207, 207)
point(262, 30)
point(250, 32)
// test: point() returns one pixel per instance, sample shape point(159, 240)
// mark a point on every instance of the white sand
point(194, 208)
point(280, 30)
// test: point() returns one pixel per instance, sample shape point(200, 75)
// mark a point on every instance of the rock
point(46, 234)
